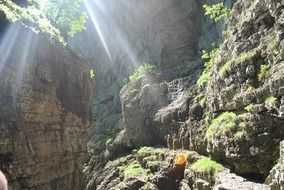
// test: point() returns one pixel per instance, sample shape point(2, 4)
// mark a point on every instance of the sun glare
point(105, 26)
point(93, 11)
point(7, 43)
point(15, 49)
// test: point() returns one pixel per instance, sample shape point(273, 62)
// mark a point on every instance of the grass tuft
point(206, 165)
point(270, 101)
point(133, 170)
point(264, 72)
point(142, 70)
point(223, 122)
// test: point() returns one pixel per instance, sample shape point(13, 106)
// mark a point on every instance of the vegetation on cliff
point(55, 18)
point(143, 70)
point(206, 165)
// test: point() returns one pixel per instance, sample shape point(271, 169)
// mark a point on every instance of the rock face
point(247, 81)
point(235, 116)
point(276, 176)
point(138, 109)
point(155, 169)
point(44, 112)
point(166, 33)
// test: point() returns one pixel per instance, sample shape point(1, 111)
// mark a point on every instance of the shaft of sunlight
point(122, 43)
point(97, 26)
point(7, 43)
point(26, 48)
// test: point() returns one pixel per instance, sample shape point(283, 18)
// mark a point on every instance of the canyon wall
point(125, 34)
point(45, 92)
point(235, 115)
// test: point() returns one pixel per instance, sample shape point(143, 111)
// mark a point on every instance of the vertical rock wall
point(166, 33)
point(44, 112)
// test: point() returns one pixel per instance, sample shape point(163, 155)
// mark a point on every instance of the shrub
point(206, 165)
point(142, 70)
point(217, 11)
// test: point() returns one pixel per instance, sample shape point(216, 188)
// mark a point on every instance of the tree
point(57, 18)
point(217, 11)
point(64, 14)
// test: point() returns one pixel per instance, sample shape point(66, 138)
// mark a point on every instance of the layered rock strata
point(44, 112)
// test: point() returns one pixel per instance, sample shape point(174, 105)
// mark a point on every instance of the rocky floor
point(150, 168)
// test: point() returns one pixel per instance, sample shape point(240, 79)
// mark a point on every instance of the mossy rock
point(206, 166)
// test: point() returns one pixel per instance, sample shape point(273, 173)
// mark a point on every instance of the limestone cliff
point(45, 94)
point(235, 116)
point(166, 33)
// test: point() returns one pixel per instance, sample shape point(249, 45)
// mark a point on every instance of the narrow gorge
point(142, 94)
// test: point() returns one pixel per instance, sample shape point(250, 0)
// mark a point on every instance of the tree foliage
point(217, 11)
point(57, 18)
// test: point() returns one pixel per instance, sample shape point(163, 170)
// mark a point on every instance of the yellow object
point(180, 159)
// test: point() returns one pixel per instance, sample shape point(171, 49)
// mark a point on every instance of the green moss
point(210, 58)
point(222, 123)
point(142, 70)
point(150, 158)
point(239, 134)
point(201, 99)
point(227, 33)
point(204, 78)
point(239, 59)
point(133, 170)
point(270, 101)
point(249, 108)
point(206, 165)
point(243, 120)
point(145, 149)
point(226, 66)
point(189, 154)
point(250, 88)
point(151, 164)
point(264, 72)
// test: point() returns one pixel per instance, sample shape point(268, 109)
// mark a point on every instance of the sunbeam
point(94, 18)
point(105, 24)
point(17, 55)
point(7, 43)
point(23, 62)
